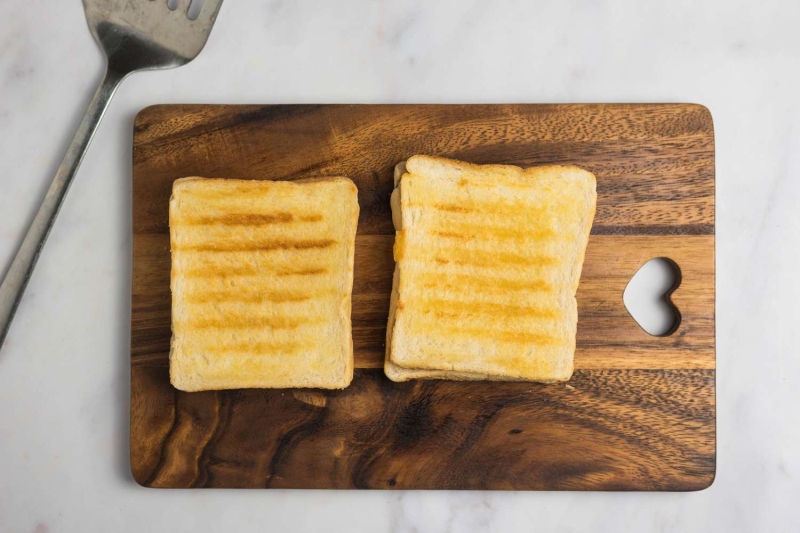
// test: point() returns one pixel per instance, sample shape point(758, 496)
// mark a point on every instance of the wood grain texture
point(639, 413)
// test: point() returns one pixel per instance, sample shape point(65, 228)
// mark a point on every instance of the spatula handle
point(18, 274)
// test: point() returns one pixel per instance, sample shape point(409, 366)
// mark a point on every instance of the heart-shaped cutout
point(647, 296)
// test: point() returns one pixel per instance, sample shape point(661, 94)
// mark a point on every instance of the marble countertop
point(64, 377)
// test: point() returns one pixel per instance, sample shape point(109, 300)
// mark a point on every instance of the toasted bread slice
point(488, 262)
point(262, 276)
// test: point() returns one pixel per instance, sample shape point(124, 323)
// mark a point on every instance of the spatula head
point(146, 34)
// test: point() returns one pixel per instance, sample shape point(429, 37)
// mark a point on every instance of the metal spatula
point(135, 35)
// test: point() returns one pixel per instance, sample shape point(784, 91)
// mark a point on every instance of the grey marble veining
point(64, 464)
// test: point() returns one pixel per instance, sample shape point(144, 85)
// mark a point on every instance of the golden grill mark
point(443, 307)
point(251, 189)
point(469, 258)
point(505, 209)
point(452, 235)
point(250, 297)
point(455, 281)
point(399, 248)
point(245, 321)
point(247, 219)
point(262, 246)
point(213, 271)
point(450, 208)
point(511, 337)
point(258, 348)
point(304, 272)
point(531, 183)
point(469, 232)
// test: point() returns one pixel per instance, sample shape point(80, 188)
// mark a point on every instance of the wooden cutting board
point(639, 412)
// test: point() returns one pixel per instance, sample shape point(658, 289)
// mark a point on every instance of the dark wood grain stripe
point(208, 122)
point(655, 229)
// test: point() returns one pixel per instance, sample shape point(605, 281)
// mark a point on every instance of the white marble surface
point(64, 370)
